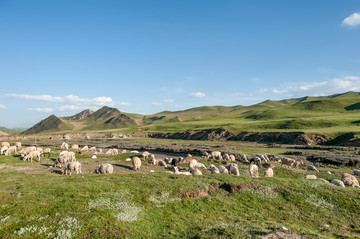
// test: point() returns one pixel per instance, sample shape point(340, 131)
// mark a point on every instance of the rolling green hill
point(327, 115)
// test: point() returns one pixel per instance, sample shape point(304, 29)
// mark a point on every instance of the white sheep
point(176, 171)
point(7, 144)
point(244, 157)
point(32, 155)
point(60, 160)
point(27, 150)
point(310, 177)
point(124, 151)
point(196, 171)
point(92, 149)
point(64, 145)
point(10, 150)
point(112, 152)
point(134, 151)
point(18, 144)
point(214, 169)
point(312, 168)
point(232, 158)
point(152, 160)
point(338, 183)
point(216, 155)
point(136, 162)
point(206, 155)
point(67, 154)
point(3, 149)
point(193, 164)
point(288, 161)
point(226, 157)
point(72, 166)
point(269, 173)
point(75, 147)
point(98, 151)
point(356, 172)
point(223, 170)
point(234, 170)
point(350, 180)
point(104, 168)
point(84, 149)
point(145, 155)
point(46, 151)
point(254, 170)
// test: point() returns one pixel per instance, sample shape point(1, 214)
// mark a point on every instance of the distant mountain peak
point(82, 115)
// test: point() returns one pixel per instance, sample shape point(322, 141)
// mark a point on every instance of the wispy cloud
point(197, 95)
point(352, 21)
point(3, 107)
point(169, 101)
point(100, 101)
point(261, 91)
point(44, 110)
point(157, 103)
point(333, 86)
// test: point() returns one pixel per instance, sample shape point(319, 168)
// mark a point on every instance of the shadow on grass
point(123, 166)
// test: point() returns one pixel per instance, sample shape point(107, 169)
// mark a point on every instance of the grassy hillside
point(130, 204)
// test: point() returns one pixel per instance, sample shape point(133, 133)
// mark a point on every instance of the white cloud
point(2, 106)
point(333, 86)
point(263, 90)
point(157, 103)
point(352, 21)
point(197, 95)
point(45, 110)
point(100, 101)
point(71, 107)
point(169, 101)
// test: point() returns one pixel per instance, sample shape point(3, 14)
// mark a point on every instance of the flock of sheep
point(67, 162)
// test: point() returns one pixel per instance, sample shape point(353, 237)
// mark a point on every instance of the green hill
point(52, 123)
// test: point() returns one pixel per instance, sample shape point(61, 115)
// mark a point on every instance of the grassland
point(38, 202)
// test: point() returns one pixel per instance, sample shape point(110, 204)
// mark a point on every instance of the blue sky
point(59, 57)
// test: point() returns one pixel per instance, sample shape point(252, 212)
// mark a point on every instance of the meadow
point(38, 202)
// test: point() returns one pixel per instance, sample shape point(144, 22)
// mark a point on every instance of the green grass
point(37, 202)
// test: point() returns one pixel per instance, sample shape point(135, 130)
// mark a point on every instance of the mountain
point(329, 115)
point(52, 123)
point(82, 115)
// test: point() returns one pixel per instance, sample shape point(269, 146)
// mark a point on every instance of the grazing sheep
point(92, 149)
point(10, 150)
point(145, 155)
point(176, 161)
point(98, 151)
point(216, 155)
point(60, 160)
point(75, 147)
point(27, 150)
point(18, 144)
point(196, 172)
point(228, 166)
point(298, 163)
point(234, 170)
point(263, 157)
point(193, 164)
point(67, 154)
point(7, 144)
point(214, 169)
point(256, 161)
point(310, 177)
point(152, 160)
point(287, 161)
point(112, 152)
point(168, 160)
point(243, 157)
point(3, 149)
point(324, 180)
point(206, 155)
point(350, 180)
point(223, 170)
point(232, 158)
point(134, 151)
point(226, 157)
point(39, 149)
point(32, 155)
point(72, 166)
point(254, 170)
point(269, 173)
point(338, 183)
point(46, 151)
point(189, 156)
point(176, 171)
point(64, 145)
point(84, 149)
point(312, 168)
point(136, 162)
point(162, 163)
point(276, 159)
point(356, 172)
point(124, 151)
point(104, 168)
